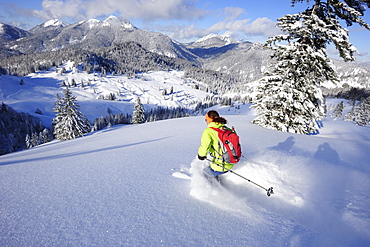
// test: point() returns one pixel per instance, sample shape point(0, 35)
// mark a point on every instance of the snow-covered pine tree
point(44, 136)
point(35, 139)
point(59, 110)
point(28, 141)
point(338, 111)
point(69, 121)
point(362, 114)
point(289, 97)
point(350, 116)
point(348, 10)
point(138, 115)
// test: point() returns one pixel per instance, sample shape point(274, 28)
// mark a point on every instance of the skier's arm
point(205, 143)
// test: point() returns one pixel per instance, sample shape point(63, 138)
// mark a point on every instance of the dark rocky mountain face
point(9, 33)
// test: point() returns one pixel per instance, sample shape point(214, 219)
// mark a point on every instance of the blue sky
point(182, 20)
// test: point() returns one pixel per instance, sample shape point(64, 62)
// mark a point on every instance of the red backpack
point(229, 143)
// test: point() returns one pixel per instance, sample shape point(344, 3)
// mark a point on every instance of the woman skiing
point(210, 144)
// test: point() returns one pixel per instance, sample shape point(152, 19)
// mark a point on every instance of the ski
point(183, 173)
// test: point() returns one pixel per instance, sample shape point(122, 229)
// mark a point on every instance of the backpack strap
point(219, 130)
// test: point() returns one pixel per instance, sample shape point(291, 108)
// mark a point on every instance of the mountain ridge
point(213, 40)
point(48, 25)
point(9, 33)
point(92, 34)
point(244, 61)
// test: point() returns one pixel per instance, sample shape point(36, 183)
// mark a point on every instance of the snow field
point(40, 90)
point(115, 187)
point(317, 188)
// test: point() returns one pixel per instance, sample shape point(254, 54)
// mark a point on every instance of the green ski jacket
point(210, 143)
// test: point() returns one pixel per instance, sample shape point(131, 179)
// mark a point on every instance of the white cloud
point(239, 29)
point(185, 34)
point(233, 12)
point(262, 26)
point(59, 9)
point(159, 10)
point(137, 9)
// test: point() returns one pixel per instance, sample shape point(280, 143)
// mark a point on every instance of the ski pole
point(269, 190)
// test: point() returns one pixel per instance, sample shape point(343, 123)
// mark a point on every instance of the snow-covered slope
point(115, 188)
point(39, 91)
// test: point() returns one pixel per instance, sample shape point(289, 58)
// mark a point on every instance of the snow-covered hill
point(39, 90)
point(115, 188)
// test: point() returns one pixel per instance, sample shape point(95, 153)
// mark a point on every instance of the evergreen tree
point(74, 84)
point(35, 139)
point(44, 136)
point(350, 116)
point(338, 111)
point(111, 96)
point(347, 10)
point(69, 121)
point(138, 115)
point(59, 109)
point(289, 97)
point(362, 115)
point(28, 141)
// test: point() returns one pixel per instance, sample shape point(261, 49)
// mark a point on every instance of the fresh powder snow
point(115, 187)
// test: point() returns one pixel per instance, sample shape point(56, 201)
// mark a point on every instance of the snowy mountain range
point(92, 34)
point(243, 60)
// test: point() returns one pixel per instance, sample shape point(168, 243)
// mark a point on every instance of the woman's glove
point(201, 157)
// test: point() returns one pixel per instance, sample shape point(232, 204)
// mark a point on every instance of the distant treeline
point(350, 93)
point(156, 114)
point(15, 127)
